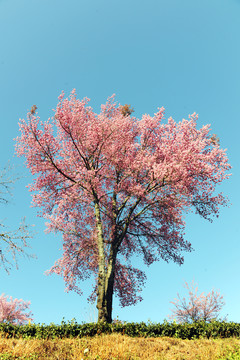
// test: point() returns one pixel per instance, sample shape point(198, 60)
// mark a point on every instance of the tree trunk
point(105, 274)
point(105, 292)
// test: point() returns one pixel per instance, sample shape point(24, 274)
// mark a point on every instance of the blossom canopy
point(118, 186)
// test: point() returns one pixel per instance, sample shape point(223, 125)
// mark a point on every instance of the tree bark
point(106, 269)
point(105, 274)
point(101, 266)
point(105, 311)
point(105, 293)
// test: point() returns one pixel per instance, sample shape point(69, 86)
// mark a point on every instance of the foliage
point(201, 329)
point(7, 356)
point(11, 242)
point(117, 186)
point(13, 311)
point(197, 307)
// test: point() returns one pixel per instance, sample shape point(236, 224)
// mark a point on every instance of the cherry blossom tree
point(197, 307)
point(12, 242)
point(116, 187)
point(13, 311)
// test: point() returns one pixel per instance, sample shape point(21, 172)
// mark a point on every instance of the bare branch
point(12, 243)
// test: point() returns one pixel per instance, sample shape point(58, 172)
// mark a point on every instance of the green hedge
point(72, 329)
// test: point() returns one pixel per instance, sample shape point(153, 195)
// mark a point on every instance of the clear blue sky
point(183, 55)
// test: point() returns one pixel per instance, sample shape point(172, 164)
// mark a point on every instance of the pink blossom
point(116, 186)
point(13, 310)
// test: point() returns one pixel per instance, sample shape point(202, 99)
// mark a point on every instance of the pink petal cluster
point(142, 174)
point(13, 311)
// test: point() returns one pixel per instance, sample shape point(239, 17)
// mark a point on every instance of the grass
point(120, 347)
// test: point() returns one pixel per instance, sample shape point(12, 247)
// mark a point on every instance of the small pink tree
point(116, 187)
point(13, 310)
point(197, 307)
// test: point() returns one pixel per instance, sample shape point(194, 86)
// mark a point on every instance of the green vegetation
point(72, 329)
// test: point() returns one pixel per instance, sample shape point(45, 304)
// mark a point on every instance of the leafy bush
point(72, 329)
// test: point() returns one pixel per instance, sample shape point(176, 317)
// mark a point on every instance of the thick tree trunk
point(105, 274)
point(105, 293)
point(101, 265)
